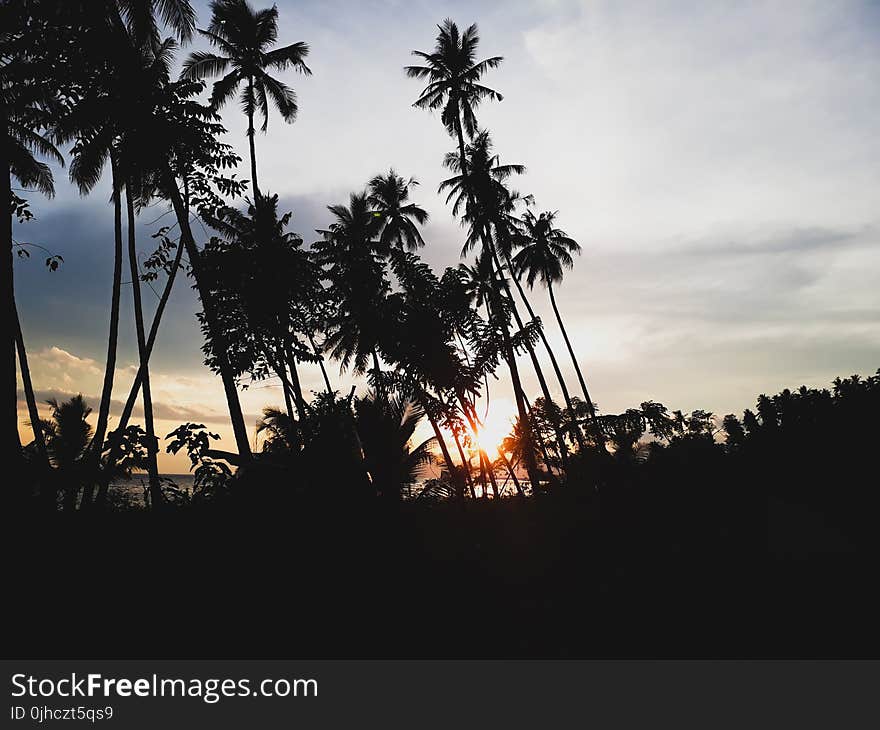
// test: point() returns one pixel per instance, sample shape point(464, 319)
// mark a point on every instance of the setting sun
point(496, 426)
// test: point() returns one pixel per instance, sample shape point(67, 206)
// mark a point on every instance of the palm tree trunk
point(110, 368)
point(519, 393)
point(30, 397)
point(48, 489)
point(11, 439)
point(590, 407)
point(46, 482)
point(218, 340)
point(454, 473)
point(156, 497)
point(101, 497)
point(490, 471)
point(295, 382)
point(321, 364)
point(529, 445)
point(461, 153)
point(471, 415)
point(466, 467)
point(288, 403)
point(545, 391)
point(380, 388)
point(510, 470)
point(554, 362)
point(251, 132)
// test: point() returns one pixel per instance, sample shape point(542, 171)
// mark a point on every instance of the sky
point(719, 164)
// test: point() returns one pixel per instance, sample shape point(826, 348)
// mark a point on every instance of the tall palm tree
point(110, 107)
point(480, 194)
point(26, 106)
point(453, 75)
point(546, 254)
point(244, 37)
point(153, 72)
point(351, 255)
point(515, 237)
point(400, 219)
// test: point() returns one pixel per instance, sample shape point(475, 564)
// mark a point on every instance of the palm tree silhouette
point(386, 425)
point(271, 283)
point(399, 218)
point(546, 254)
point(351, 255)
point(154, 73)
point(95, 125)
point(111, 106)
point(484, 201)
point(453, 75)
point(245, 36)
point(27, 104)
point(68, 435)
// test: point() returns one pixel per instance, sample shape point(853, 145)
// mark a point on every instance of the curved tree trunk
point(29, 395)
point(553, 361)
point(511, 472)
point(466, 467)
point(461, 153)
point(529, 446)
point(545, 391)
point(11, 438)
point(229, 386)
point(471, 416)
point(112, 339)
point(600, 437)
point(380, 388)
point(321, 364)
point(454, 473)
point(300, 401)
point(251, 133)
point(156, 497)
point(288, 403)
point(519, 393)
point(133, 392)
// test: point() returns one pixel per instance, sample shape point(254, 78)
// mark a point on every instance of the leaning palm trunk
point(217, 337)
point(156, 498)
point(545, 391)
point(471, 416)
point(321, 364)
point(466, 466)
point(511, 471)
point(250, 134)
point(590, 407)
point(295, 382)
point(528, 436)
point(447, 458)
point(104, 485)
point(93, 456)
point(519, 393)
point(454, 473)
point(531, 466)
point(29, 395)
point(110, 368)
point(556, 369)
point(11, 439)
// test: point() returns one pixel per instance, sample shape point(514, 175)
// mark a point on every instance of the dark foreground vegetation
point(584, 533)
point(763, 546)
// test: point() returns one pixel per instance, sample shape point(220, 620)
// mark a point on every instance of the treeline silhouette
point(642, 532)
